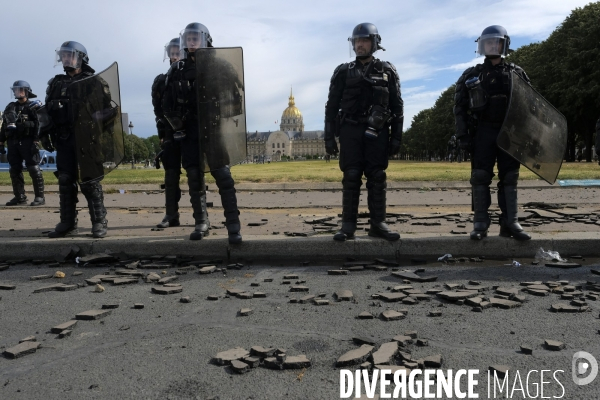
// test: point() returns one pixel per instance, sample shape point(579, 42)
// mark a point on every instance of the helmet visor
point(172, 52)
point(193, 39)
point(19, 92)
point(491, 45)
point(68, 57)
point(362, 45)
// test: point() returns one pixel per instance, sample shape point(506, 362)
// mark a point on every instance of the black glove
point(394, 147)
point(46, 144)
point(331, 147)
point(464, 142)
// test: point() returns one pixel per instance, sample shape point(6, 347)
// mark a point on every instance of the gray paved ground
point(164, 350)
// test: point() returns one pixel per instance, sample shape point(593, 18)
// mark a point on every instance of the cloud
point(284, 44)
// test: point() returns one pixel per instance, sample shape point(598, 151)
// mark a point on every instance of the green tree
point(140, 150)
point(153, 145)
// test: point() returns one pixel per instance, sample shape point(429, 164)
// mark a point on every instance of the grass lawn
point(319, 171)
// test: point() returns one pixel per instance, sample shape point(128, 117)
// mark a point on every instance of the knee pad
point(34, 169)
point(90, 188)
point(352, 179)
point(172, 176)
point(65, 179)
point(12, 171)
point(511, 178)
point(223, 178)
point(481, 177)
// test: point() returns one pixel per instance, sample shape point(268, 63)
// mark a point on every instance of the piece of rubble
point(152, 277)
point(65, 333)
point(356, 356)
point(507, 291)
point(261, 352)
point(272, 363)
point(409, 300)
point(110, 306)
point(306, 299)
point(344, 295)
point(239, 367)
point(49, 288)
point(167, 279)
point(244, 312)
point(255, 284)
point(459, 295)
point(391, 315)
point(435, 313)
point(296, 362)
point(411, 276)
point(391, 296)
point(299, 289)
point(99, 288)
point(337, 272)
point(67, 325)
point(226, 357)
point(554, 345)
point(434, 361)
point(97, 258)
point(536, 292)
point(167, 289)
point(422, 342)
point(124, 281)
point(138, 306)
point(321, 302)
point(260, 295)
point(212, 297)
point(504, 304)
point(402, 288)
point(21, 349)
point(411, 334)
point(92, 314)
point(244, 295)
point(365, 315)
point(363, 340)
point(500, 370)
point(207, 270)
point(290, 276)
point(185, 299)
point(567, 308)
point(526, 349)
point(385, 354)
point(28, 339)
point(253, 362)
point(403, 340)
point(38, 277)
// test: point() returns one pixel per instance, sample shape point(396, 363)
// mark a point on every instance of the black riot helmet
point(21, 90)
point(172, 50)
point(366, 30)
point(71, 55)
point(494, 42)
point(195, 36)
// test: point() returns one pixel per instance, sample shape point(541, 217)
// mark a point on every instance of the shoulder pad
point(57, 78)
point(389, 65)
point(340, 68)
point(157, 80)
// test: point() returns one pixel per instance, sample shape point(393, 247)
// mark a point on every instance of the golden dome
point(292, 111)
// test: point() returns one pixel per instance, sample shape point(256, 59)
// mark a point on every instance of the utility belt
point(354, 119)
point(60, 111)
point(489, 124)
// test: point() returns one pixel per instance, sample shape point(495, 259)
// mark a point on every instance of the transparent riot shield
point(43, 118)
point(534, 132)
point(221, 106)
point(98, 128)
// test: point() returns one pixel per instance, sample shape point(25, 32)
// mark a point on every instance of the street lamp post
point(131, 137)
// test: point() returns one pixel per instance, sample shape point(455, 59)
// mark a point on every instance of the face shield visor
point(193, 39)
point(68, 57)
point(362, 45)
point(172, 52)
point(19, 92)
point(491, 45)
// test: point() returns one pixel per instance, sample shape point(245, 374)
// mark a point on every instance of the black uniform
point(598, 139)
point(62, 112)
point(180, 103)
point(355, 91)
point(478, 131)
point(452, 147)
point(22, 148)
point(170, 155)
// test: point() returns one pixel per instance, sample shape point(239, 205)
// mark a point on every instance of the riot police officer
point(20, 129)
point(59, 95)
point(180, 107)
point(171, 150)
point(452, 145)
point(598, 139)
point(365, 109)
point(480, 105)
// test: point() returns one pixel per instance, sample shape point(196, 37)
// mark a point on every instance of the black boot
point(481, 219)
point(350, 198)
point(226, 187)
point(18, 184)
point(95, 198)
point(172, 197)
point(67, 192)
point(198, 200)
point(376, 186)
point(509, 220)
point(38, 185)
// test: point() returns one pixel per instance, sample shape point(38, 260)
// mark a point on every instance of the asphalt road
point(164, 351)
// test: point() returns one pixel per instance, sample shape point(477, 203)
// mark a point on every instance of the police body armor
point(182, 75)
point(20, 120)
point(366, 95)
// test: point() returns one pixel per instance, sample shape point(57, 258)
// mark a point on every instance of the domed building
point(291, 140)
point(291, 119)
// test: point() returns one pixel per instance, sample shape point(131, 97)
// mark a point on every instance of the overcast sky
point(285, 44)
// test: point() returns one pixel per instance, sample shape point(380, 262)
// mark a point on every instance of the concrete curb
point(297, 249)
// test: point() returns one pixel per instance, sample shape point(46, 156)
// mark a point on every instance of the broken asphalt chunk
point(554, 345)
point(365, 315)
point(337, 272)
point(244, 312)
point(67, 325)
point(500, 370)
point(226, 357)
point(356, 356)
point(239, 366)
point(391, 315)
point(434, 361)
point(167, 289)
point(21, 349)
point(344, 295)
point(92, 314)
point(296, 362)
point(565, 265)
point(411, 276)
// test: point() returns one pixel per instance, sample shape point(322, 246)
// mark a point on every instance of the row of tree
point(564, 68)
point(143, 148)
